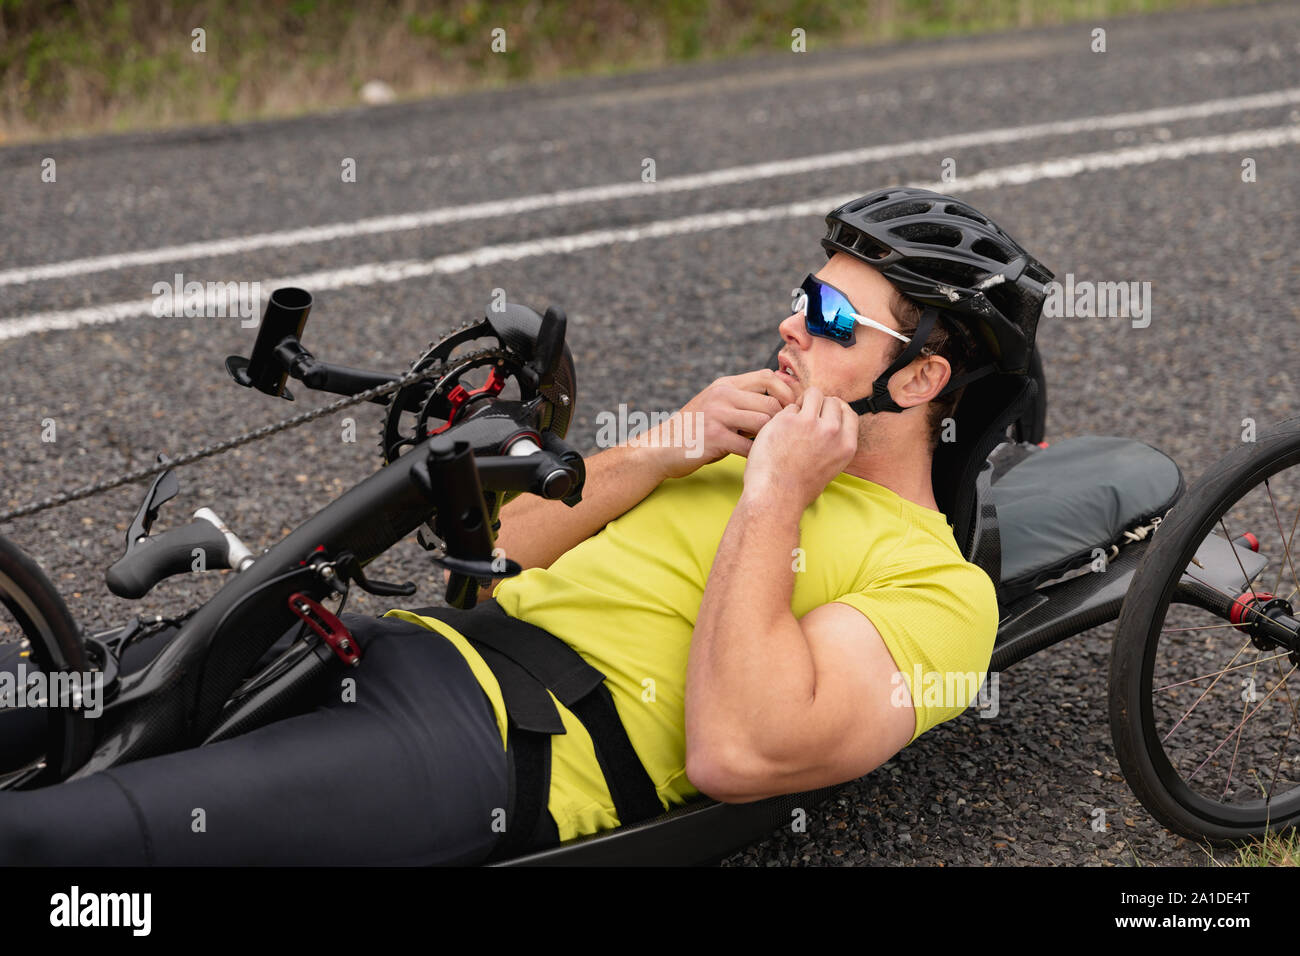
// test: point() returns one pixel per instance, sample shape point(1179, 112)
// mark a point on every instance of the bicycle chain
point(266, 431)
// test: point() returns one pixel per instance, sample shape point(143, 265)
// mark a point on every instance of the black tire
point(34, 604)
point(1151, 763)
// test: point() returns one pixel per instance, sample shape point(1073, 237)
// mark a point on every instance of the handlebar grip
point(162, 555)
point(570, 457)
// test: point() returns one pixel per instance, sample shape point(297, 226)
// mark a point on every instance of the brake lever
point(349, 567)
point(164, 488)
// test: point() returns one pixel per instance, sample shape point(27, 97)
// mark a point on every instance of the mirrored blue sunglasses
point(829, 313)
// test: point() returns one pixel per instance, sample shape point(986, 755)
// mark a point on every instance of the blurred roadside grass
point(1273, 850)
point(79, 66)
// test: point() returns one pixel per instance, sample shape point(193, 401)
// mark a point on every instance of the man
point(798, 572)
point(757, 616)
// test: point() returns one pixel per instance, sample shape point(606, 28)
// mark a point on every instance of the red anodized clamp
point(459, 395)
point(331, 630)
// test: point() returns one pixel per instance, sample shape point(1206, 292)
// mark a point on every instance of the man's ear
point(920, 381)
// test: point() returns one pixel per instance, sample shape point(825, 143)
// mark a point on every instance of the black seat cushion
point(1060, 503)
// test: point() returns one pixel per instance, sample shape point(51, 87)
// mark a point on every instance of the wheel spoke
point(1277, 766)
point(1207, 627)
point(1204, 694)
point(1236, 730)
point(1250, 585)
point(1286, 542)
point(1192, 680)
point(1232, 765)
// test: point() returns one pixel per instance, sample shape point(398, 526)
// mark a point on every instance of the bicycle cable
point(266, 431)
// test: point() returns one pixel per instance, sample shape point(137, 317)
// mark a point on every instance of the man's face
point(843, 372)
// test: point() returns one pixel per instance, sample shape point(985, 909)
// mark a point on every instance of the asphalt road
point(658, 311)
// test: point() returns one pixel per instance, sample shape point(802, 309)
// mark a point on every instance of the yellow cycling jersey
point(626, 599)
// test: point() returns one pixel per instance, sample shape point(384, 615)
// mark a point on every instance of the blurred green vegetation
point(72, 66)
point(1273, 850)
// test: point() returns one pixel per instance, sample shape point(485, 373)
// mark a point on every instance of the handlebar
point(452, 480)
point(457, 479)
point(150, 559)
point(162, 555)
point(498, 447)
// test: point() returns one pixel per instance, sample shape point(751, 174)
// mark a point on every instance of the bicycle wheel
point(33, 614)
point(1204, 690)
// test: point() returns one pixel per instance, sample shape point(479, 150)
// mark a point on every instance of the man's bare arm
point(723, 418)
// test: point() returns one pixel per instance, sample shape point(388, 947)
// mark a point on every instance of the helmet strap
point(881, 401)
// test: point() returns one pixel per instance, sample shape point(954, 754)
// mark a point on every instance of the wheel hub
point(1268, 620)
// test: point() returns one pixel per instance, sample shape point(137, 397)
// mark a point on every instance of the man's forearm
point(749, 662)
point(535, 531)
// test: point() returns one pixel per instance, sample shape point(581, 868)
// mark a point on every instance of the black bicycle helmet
point(952, 259)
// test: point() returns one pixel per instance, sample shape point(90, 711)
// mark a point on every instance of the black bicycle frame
point(172, 701)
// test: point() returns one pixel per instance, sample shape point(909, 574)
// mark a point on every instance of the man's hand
point(721, 420)
point(802, 448)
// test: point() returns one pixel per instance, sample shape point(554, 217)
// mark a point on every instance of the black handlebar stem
point(278, 354)
point(322, 376)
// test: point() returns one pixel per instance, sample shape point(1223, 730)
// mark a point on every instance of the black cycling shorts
point(411, 773)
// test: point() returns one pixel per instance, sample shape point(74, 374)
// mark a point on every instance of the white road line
point(615, 191)
point(379, 273)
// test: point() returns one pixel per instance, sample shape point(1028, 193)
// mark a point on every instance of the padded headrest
point(987, 409)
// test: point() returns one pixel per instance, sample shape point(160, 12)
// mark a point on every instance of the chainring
point(425, 408)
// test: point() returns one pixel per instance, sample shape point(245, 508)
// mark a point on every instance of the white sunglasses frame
point(863, 320)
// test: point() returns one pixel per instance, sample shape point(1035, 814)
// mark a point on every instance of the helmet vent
point(902, 209)
point(929, 232)
point(842, 234)
point(955, 274)
point(869, 247)
point(953, 209)
point(990, 249)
